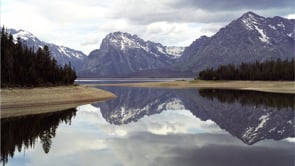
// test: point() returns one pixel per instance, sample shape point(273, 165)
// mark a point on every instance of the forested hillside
point(22, 66)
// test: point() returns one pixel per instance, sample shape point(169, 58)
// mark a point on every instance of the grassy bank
point(264, 86)
point(20, 101)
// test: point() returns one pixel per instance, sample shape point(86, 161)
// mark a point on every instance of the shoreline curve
point(28, 101)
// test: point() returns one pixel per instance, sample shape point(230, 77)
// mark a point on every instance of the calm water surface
point(151, 126)
point(124, 80)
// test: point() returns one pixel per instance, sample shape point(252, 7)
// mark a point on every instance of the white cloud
point(82, 24)
point(291, 16)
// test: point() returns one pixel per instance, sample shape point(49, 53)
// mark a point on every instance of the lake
point(154, 126)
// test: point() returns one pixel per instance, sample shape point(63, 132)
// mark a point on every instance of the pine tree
point(269, 70)
point(21, 66)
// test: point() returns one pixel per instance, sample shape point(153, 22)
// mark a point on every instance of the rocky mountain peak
point(247, 39)
point(122, 41)
point(125, 41)
point(252, 16)
point(24, 34)
point(126, 53)
point(251, 20)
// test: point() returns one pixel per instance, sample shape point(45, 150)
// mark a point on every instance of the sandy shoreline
point(263, 86)
point(19, 102)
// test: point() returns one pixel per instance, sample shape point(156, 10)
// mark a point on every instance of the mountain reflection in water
point(251, 116)
point(171, 127)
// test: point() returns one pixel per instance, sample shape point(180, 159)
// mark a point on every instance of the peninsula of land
point(28, 101)
point(263, 86)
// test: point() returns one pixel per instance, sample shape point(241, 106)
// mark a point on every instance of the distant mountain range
point(246, 39)
point(62, 54)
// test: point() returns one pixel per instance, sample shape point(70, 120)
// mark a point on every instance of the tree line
point(23, 66)
point(270, 70)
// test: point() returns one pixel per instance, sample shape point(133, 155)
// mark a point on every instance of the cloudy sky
point(82, 24)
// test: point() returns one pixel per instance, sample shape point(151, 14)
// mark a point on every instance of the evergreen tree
point(269, 70)
point(21, 66)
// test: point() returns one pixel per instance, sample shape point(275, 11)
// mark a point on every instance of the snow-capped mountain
point(246, 39)
point(122, 53)
point(249, 38)
point(62, 54)
point(125, 41)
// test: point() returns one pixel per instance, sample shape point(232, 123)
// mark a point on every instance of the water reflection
point(23, 132)
point(250, 116)
point(171, 127)
point(252, 98)
point(199, 149)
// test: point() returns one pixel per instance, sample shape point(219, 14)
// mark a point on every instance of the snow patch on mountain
point(161, 50)
point(263, 37)
point(61, 50)
point(25, 35)
point(124, 114)
point(281, 25)
point(272, 27)
point(251, 133)
point(172, 104)
point(175, 51)
point(248, 24)
point(250, 20)
point(124, 41)
point(70, 53)
point(263, 119)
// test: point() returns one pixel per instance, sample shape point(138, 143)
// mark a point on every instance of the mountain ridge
point(249, 38)
point(62, 54)
point(122, 53)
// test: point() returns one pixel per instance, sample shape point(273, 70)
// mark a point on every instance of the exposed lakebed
point(153, 126)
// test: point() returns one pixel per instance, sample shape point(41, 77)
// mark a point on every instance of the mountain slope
point(63, 55)
point(249, 38)
point(122, 53)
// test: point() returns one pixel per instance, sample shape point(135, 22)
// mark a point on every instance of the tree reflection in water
point(275, 100)
point(22, 132)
